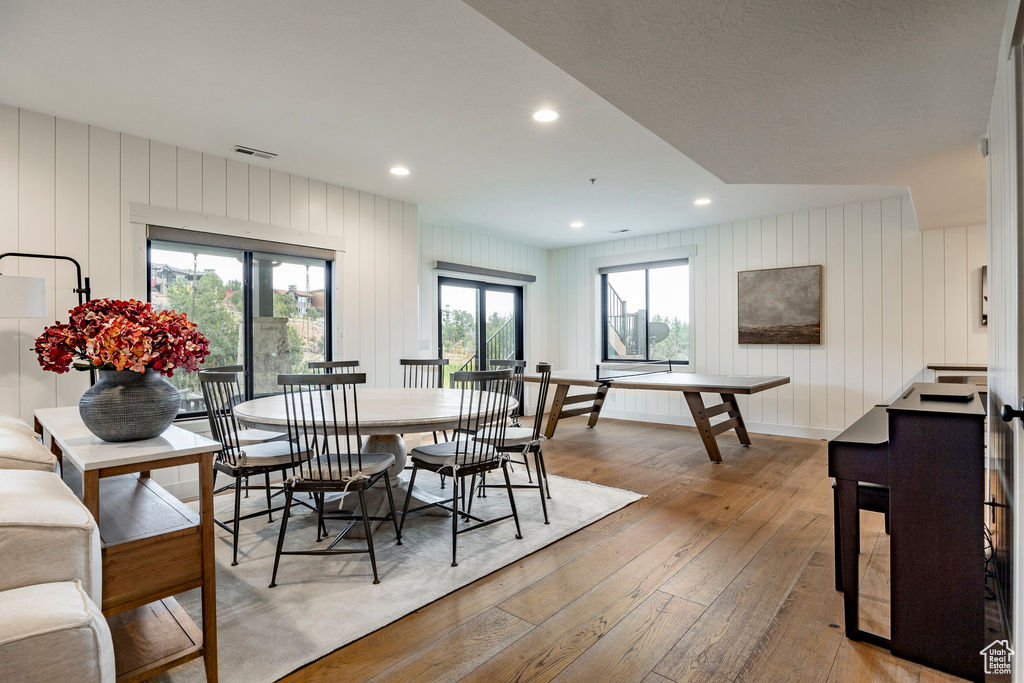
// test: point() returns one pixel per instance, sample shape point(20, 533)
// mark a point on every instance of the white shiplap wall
point(66, 187)
point(472, 249)
point(895, 299)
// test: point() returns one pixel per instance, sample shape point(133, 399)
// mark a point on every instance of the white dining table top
point(382, 410)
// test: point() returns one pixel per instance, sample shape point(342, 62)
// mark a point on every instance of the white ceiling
point(345, 90)
point(801, 91)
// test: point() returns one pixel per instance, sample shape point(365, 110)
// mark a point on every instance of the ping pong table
point(659, 377)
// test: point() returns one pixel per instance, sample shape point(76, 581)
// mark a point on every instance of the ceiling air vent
point(616, 232)
point(249, 151)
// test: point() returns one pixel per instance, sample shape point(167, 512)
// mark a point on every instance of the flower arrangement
point(108, 334)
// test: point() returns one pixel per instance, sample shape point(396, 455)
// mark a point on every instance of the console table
point(154, 546)
point(931, 455)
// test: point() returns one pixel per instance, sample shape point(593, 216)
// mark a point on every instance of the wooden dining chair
point(238, 457)
point(519, 370)
point(482, 411)
point(328, 366)
point(245, 436)
point(424, 373)
point(524, 441)
point(323, 430)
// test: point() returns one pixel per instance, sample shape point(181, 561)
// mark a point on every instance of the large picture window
point(645, 312)
point(266, 311)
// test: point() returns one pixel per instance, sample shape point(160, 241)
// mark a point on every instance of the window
point(462, 304)
point(645, 311)
point(266, 311)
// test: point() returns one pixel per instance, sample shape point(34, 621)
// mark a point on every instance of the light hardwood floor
point(723, 573)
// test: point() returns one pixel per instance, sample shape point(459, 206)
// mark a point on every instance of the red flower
point(116, 335)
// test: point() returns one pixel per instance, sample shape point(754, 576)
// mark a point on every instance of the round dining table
point(385, 413)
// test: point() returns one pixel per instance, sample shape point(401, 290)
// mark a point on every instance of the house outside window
point(645, 312)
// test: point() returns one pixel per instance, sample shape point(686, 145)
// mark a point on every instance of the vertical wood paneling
point(104, 209)
point(350, 263)
point(976, 258)
point(770, 352)
point(71, 215)
point(163, 175)
point(10, 333)
point(933, 272)
point(707, 307)
point(955, 283)
point(872, 303)
point(215, 174)
point(190, 180)
point(259, 194)
point(369, 300)
point(726, 285)
point(134, 188)
point(835, 316)
point(317, 206)
point(395, 307)
point(913, 318)
point(237, 190)
point(853, 312)
point(784, 259)
point(36, 234)
point(818, 390)
point(280, 199)
point(755, 353)
point(299, 195)
point(801, 354)
point(410, 282)
point(892, 300)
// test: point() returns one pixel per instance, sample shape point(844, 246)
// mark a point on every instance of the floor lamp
point(25, 297)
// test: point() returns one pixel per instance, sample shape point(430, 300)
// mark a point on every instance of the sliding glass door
point(478, 322)
point(267, 312)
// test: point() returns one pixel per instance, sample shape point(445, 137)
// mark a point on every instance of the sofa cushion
point(16, 424)
point(54, 632)
point(21, 452)
point(46, 534)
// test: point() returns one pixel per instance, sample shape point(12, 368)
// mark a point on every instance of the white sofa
point(50, 571)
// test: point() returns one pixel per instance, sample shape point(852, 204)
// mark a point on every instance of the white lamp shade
point(22, 297)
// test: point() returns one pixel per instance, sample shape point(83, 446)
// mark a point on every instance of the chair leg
point(369, 535)
point(511, 498)
point(234, 528)
point(321, 525)
point(543, 472)
point(280, 538)
point(408, 497)
point(391, 503)
point(270, 515)
point(247, 487)
point(455, 520)
point(541, 486)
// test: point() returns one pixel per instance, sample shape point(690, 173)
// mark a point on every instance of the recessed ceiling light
point(702, 202)
point(545, 115)
point(400, 170)
point(576, 224)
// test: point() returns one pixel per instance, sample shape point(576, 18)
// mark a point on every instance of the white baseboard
point(754, 427)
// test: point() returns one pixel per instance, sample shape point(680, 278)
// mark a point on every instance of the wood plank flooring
point(723, 573)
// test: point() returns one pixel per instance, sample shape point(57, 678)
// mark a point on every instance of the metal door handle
point(1008, 413)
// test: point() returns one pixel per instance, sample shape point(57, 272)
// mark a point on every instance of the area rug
point(323, 603)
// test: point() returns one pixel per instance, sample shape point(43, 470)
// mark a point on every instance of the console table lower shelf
point(153, 546)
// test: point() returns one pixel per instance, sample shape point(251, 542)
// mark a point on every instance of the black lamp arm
point(83, 290)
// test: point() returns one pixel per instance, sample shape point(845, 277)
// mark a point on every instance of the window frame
point(248, 247)
point(646, 266)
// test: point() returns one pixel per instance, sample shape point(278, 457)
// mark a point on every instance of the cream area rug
point(324, 602)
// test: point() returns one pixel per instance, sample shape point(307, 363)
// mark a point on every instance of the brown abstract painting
point(780, 305)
